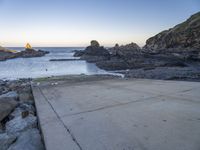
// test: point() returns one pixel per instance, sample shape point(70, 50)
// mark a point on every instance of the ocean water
point(42, 67)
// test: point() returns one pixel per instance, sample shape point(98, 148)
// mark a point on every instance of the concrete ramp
point(119, 114)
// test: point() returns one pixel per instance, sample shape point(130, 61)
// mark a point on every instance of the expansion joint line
point(65, 126)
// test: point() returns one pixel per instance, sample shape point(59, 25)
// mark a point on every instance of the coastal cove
point(42, 66)
point(100, 75)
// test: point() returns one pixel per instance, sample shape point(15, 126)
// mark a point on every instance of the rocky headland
point(18, 121)
point(171, 54)
point(27, 53)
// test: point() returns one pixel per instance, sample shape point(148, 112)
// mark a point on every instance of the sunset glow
point(76, 22)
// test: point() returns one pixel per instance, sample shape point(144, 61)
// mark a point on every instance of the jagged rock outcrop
point(183, 36)
point(125, 51)
point(94, 53)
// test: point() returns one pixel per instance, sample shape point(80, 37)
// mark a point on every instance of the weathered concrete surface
point(118, 114)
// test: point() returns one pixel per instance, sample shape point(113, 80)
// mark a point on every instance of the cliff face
point(185, 35)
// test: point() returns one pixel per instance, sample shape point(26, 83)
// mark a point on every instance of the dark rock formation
point(27, 53)
point(171, 54)
point(183, 36)
point(32, 53)
point(120, 56)
point(94, 53)
point(125, 50)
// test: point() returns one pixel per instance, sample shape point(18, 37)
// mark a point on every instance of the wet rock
point(28, 140)
point(6, 140)
point(20, 124)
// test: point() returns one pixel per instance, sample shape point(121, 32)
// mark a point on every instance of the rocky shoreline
point(171, 54)
point(18, 119)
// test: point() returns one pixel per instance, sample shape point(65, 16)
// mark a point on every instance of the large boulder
point(20, 124)
point(8, 102)
point(183, 36)
point(6, 140)
point(28, 140)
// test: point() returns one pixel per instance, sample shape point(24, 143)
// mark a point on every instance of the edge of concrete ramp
point(55, 134)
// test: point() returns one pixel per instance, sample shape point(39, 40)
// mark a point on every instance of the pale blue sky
point(76, 22)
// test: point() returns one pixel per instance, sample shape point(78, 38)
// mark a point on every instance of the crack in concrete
point(112, 106)
point(65, 126)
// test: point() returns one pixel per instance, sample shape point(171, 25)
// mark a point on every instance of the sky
point(77, 22)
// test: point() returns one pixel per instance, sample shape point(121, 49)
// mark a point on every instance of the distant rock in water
point(28, 52)
point(93, 53)
point(32, 53)
point(183, 36)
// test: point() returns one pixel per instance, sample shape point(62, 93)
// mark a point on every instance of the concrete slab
point(118, 114)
